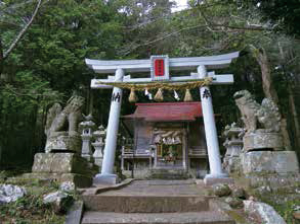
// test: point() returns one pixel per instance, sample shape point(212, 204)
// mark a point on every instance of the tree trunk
point(294, 116)
point(269, 90)
point(268, 87)
point(1, 58)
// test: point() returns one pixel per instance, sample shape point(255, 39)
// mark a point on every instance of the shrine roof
point(170, 111)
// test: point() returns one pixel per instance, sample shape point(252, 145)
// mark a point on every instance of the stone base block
point(78, 179)
point(61, 163)
point(106, 179)
point(275, 181)
point(63, 167)
point(264, 162)
point(263, 140)
point(280, 189)
point(62, 141)
point(211, 179)
point(98, 161)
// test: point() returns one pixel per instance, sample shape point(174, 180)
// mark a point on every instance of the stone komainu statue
point(62, 126)
point(267, 114)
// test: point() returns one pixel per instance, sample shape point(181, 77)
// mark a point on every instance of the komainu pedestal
point(267, 162)
point(63, 142)
point(263, 141)
point(273, 175)
point(63, 167)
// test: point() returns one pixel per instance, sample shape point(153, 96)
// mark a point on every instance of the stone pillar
point(122, 159)
point(155, 157)
point(184, 159)
point(107, 176)
point(184, 151)
point(210, 132)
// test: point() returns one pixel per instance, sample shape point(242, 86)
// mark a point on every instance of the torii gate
point(159, 67)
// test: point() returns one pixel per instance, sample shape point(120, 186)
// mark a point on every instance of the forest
point(44, 43)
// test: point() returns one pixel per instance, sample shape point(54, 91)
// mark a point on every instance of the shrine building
point(167, 135)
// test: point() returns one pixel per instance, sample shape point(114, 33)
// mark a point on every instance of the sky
point(181, 4)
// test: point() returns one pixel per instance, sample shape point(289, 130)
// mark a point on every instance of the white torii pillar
point(107, 176)
point(210, 133)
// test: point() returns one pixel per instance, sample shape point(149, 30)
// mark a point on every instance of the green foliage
point(285, 209)
point(48, 64)
point(20, 104)
point(65, 33)
point(281, 15)
point(284, 12)
point(30, 208)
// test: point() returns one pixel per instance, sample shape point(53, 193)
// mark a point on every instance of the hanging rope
point(159, 85)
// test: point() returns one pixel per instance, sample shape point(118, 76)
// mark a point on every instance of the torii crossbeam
point(159, 68)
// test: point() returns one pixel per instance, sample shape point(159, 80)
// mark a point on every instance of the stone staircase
point(155, 202)
point(169, 174)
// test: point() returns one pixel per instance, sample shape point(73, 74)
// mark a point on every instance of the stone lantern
point(87, 127)
point(233, 145)
point(99, 145)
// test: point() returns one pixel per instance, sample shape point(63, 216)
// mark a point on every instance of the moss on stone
point(237, 217)
point(286, 209)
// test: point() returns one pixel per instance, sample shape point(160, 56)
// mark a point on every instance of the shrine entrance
point(169, 155)
point(170, 148)
point(160, 79)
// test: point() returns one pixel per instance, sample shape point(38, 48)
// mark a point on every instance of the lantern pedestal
point(86, 151)
point(98, 154)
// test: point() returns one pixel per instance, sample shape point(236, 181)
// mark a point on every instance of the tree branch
point(22, 32)
point(250, 27)
point(134, 46)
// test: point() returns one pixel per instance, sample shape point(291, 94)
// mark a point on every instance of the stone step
point(169, 174)
point(208, 217)
point(146, 204)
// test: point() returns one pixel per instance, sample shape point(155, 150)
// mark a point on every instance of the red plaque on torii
point(160, 67)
